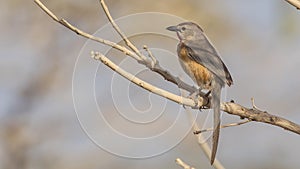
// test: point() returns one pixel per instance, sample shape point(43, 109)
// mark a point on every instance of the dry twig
point(183, 164)
point(154, 61)
point(116, 27)
point(84, 34)
point(295, 3)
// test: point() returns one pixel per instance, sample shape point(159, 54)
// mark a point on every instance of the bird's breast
point(199, 74)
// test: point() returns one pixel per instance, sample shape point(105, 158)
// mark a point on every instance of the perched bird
point(201, 61)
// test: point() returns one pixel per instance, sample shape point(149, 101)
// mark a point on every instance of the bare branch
point(230, 108)
point(295, 3)
point(145, 85)
point(223, 126)
point(183, 164)
point(260, 116)
point(84, 34)
point(116, 27)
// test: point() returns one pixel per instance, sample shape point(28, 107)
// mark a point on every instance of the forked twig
point(84, 34)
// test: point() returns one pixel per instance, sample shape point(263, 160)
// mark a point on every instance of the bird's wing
point(209, 58)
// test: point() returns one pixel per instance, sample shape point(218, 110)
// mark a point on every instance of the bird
point(202, 63)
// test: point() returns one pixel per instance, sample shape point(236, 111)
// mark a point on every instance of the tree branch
point(252, 114)
point(295, 3)
point(145, 85)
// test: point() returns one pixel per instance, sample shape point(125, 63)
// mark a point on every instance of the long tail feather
point(216, 94)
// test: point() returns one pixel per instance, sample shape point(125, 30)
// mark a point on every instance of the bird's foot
point(195, 97)
point(206, 106)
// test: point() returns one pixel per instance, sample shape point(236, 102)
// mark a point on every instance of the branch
point(252, 114)
point(118, 30)
point(145, 85)
point(183, 164)
point(84, 34)
point(295, 3)
point(160, 92)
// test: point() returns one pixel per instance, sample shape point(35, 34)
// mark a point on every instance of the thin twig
point(295, 3)
point(183, 164)
point(223, 126)
point(116, 27)
point(253, 104)
point(84, 34)
point(154, 61)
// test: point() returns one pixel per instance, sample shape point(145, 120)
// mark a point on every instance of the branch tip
point(183, 164)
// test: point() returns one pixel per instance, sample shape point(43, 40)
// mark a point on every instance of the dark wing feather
point(206, 55)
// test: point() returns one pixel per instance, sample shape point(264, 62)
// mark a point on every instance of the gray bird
point(201, 61)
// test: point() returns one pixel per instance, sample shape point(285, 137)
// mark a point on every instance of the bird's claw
point(195, 97)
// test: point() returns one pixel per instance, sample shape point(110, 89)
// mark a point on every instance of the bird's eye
point(183, 28)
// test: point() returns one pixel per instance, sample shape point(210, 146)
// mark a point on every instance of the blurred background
point(258, 40)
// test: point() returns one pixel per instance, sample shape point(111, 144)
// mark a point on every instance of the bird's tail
point(215, 103)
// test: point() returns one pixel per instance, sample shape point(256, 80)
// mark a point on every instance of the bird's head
point(187, 30)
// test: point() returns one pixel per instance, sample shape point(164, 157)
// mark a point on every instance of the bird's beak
point(172, 28)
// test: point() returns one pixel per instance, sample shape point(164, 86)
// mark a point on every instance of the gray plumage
point(197, 47)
